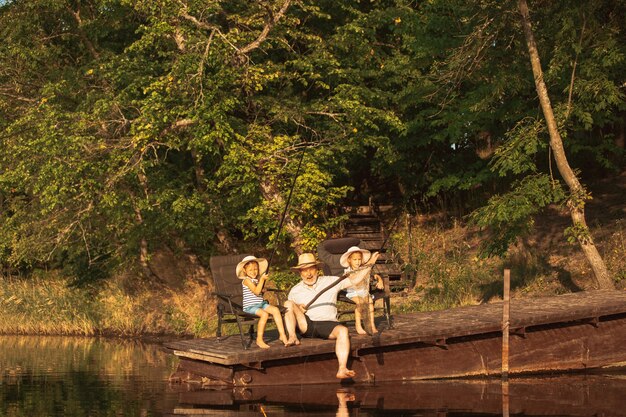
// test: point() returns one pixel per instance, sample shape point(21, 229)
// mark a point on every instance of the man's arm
point(296, 300)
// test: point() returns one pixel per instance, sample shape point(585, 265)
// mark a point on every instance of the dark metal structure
point(577, 331)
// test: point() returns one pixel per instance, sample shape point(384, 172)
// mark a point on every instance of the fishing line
point(282, 217)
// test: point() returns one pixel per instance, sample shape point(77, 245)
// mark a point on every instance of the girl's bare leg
point(278, 319)
point(261, 328)
point(371, 309)
point(357, 316)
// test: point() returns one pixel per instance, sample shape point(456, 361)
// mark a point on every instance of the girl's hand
point(265, 277)
point(373, 258)
point(380, 285)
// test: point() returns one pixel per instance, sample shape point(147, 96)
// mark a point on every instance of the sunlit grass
point(614, 253)
point(52, 306)
point(447, 271)
point(37, 306)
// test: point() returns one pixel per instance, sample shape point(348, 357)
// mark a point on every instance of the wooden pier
point(576, 331)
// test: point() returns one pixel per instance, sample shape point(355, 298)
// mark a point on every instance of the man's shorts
point(319, 329)
point(255, 307)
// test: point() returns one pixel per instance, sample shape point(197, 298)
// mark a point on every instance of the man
point(320, 319)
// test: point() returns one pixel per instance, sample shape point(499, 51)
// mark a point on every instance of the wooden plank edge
point(204, 358)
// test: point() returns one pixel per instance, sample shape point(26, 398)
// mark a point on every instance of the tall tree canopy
point(131, 124)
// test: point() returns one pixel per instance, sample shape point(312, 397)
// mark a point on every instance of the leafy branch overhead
point(131, 125)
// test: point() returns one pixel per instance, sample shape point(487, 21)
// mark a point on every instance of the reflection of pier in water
point(566, 395)
point(569, 332)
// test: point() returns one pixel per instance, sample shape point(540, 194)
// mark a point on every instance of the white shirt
point(325, 307)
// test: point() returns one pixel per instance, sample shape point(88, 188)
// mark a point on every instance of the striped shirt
point(250, 298)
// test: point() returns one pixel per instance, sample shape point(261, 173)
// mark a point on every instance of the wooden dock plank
point(423, 327)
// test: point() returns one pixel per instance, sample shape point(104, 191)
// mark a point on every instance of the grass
point(442, 261)
point(38, 306)
point(52, 306)
point(447, 270)
point(615, 252)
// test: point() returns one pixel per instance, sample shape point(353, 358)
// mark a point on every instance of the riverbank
point(448, 270)
point(440, 256)
point(50, 305)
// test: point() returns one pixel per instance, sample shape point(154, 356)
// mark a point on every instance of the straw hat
point(261, 261)
point(306, 260)
point(343, 261)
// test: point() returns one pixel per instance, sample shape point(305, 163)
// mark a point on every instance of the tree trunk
point(144, 255)
point(576, 204)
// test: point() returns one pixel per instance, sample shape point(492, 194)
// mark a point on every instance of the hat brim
point(306, 265)
point(343, 261)
point(262, 262)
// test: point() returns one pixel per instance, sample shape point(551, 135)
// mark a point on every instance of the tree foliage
point(130, 124)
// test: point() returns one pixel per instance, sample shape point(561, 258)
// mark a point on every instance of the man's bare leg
point(292, 320)
point(342, 350)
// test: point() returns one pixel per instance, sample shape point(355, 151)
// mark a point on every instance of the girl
point(360, 294)
point(249, 270)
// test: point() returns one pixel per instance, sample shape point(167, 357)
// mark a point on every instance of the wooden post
point(412, 270)
point(505, 398)
point(505, 324)
point(506, 308)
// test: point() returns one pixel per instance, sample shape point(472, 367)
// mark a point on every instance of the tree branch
point(82, 34)
point(571, 83)
point(271, 22)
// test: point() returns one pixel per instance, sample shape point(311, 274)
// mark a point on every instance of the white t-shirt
point(325, 307)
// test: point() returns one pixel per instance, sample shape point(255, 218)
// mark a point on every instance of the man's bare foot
point(262, 344)
point(285, 341)
point(374, 330)
point(360, 330)
point(289, 342)
point(344, 373)
point(292, 342)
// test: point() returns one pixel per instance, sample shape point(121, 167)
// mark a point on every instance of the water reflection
point(66, 376)
point(71, 376)
point(566, 395)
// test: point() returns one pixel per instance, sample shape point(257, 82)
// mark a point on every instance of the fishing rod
point(344, 276)
point(388, 235)
point(337, 281)
point(282, 217)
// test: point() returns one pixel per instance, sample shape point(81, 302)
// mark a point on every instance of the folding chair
point(330, 251)
point(229, 295)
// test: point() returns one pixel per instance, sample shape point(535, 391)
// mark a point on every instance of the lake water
point(67, 376)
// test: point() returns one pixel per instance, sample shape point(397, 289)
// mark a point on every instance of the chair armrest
point(341, 296)
point(274, 290)
point(281, 295)
point(225, 297)
point(386, 286)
